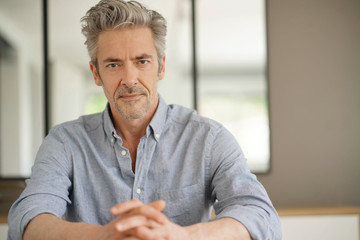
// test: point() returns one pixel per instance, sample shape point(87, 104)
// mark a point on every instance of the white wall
point(3, 231)
point(20, 89)
point(329, 227)
point(67, 91)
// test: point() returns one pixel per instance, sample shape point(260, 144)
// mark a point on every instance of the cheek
point(110, 91)
point(155, 86)
point(152, 88)
point(150, 83)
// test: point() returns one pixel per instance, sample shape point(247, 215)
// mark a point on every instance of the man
point(141, 169)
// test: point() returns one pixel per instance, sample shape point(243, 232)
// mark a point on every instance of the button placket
point(113, 139)
point(123, 158)
point(138, 187)
point(123, 152)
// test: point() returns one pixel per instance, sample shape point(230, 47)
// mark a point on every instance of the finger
point(145, 233)
point(141, 216)
point(125, 207)
point(158, 205)
point(131, 222)
point(129, 205)
point(153, 213)
point(157, 231)
point(134, 222)
point(130, 238)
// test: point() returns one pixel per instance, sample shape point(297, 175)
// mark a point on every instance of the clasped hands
point(137, 221)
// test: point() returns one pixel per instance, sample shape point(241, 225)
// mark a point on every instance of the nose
point(129, 76)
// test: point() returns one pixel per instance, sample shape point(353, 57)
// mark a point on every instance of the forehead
point(128, 41)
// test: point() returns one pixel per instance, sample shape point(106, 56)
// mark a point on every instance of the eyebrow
point(142, 56)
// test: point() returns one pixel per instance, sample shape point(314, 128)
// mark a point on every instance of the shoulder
point(84, 124)
point(185, 120)
point(185, 116)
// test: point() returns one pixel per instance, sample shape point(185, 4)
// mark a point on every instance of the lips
point(130, 94)
point(131, 97)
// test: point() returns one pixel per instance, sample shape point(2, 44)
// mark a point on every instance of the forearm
point(224, 228)
point(50, 227)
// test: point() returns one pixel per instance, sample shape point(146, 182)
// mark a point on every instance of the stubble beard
point(130, 110)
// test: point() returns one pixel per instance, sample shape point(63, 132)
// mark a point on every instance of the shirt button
point(157, 136)
point(123, 152)
point(138, 191)
point(112, 140)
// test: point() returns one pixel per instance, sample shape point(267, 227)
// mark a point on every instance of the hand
point(146, 222)
point(122, 211)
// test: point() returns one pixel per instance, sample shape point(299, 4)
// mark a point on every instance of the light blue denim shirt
point(191, 162)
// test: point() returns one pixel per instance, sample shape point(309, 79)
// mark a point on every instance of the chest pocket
point(184, 206)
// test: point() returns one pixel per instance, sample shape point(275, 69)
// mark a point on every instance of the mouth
point(131, 97)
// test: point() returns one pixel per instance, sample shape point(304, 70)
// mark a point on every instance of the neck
point(131, 130)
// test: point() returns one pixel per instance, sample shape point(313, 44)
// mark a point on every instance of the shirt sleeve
point(237, 192)
point(47, 191)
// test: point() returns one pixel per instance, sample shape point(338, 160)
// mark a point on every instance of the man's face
point(128, 70)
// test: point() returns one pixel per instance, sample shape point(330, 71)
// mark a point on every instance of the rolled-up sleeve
point(47, 191)
point(239, 195)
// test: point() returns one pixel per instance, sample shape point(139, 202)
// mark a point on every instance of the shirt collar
point(157, 123)
point(155, 127)
point(108, 124)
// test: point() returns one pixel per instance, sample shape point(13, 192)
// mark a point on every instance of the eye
point(112, 65)
point(143, 61)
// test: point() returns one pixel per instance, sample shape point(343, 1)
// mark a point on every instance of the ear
point(95, 74)
point(162, 68)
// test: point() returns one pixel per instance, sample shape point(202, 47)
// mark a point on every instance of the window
point(231, 84)
point(226, 83)
point(232, 73)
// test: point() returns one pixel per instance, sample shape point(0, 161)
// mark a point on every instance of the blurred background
point(228, 82)
point(311, 51)
point(283, 76)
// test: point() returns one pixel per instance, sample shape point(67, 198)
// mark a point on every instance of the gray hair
point(119, 14)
